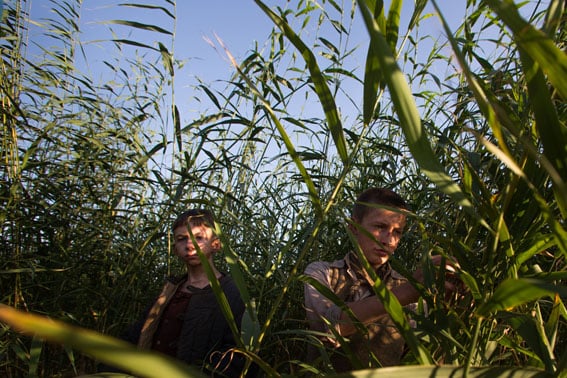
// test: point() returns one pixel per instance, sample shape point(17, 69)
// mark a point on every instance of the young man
point(185, 321)
point(377, 231)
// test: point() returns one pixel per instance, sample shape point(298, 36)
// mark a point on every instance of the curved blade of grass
point(35, 353)
point(249, 315)
point(514, 292)
point(446, 372)
point(319, 82)
point(134, 43)
point(552, 133)
point(393, 23)
point(419, 7)
point(250, 323)
point(167, 59)
point(410, 121)
point(109, 350)
point(540, 243)
point(556, 226)
point(553, 16)
point(392, 27)
point(314, 196)
point(372, 74)
point(530, 329)
point(147, 6)
point(372, 82)
point(536, 43)
point(139, 25)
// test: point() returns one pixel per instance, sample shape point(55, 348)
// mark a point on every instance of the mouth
point(191, 255)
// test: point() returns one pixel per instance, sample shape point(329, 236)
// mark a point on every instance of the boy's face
point(386, 228)
point(205, 238)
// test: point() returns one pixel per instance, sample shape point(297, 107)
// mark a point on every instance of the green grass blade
point(537, 44)
point(313, 194)
point(410, 121)
point(133, 43)
point(533, 334)
point(446, 372)
point(553, 16)
point(552, 133)
point(250, 323)
point(167, 59)
point(152, 7)
point(218, 291)
point(514, 292)
point(104, 348)
point(319, 82)
point(372, 74)
point(141, 26)
point(35, 352)
point(393, 23)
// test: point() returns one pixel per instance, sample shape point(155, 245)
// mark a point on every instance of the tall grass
point(93, 173)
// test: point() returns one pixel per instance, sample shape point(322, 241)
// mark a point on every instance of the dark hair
point(197, 217)
point(377, 196)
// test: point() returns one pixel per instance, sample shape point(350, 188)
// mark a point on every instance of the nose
point(387, 237)
point(190, 246)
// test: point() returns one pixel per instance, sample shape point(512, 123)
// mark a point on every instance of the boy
point(377, 231)
point(185, 321)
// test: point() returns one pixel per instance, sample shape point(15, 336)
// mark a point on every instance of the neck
point(196, 276)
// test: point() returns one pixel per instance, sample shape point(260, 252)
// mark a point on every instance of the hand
point(451, 263)
point(452, 282)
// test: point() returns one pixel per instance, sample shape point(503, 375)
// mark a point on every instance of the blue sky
point(238, 23)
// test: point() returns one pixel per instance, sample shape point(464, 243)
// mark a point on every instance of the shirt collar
point(356, 270)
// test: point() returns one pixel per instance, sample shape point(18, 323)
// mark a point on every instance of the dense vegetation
point(473, 134)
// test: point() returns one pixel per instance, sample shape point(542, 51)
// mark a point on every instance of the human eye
point(379, 226)
point(199, 238)
point(398, 232)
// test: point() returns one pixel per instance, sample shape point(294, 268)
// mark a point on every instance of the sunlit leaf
point(515, 292)
point(446, 372)
point(104, 348)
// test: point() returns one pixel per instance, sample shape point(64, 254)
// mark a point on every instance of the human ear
point(352, 226)
point(216, 244)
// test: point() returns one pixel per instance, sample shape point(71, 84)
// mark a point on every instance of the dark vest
point(206, 337)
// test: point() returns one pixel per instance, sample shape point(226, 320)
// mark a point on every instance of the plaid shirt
point(382, 344)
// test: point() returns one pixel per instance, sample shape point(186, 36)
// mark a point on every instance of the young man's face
point(185, 248)
point(386, 228)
